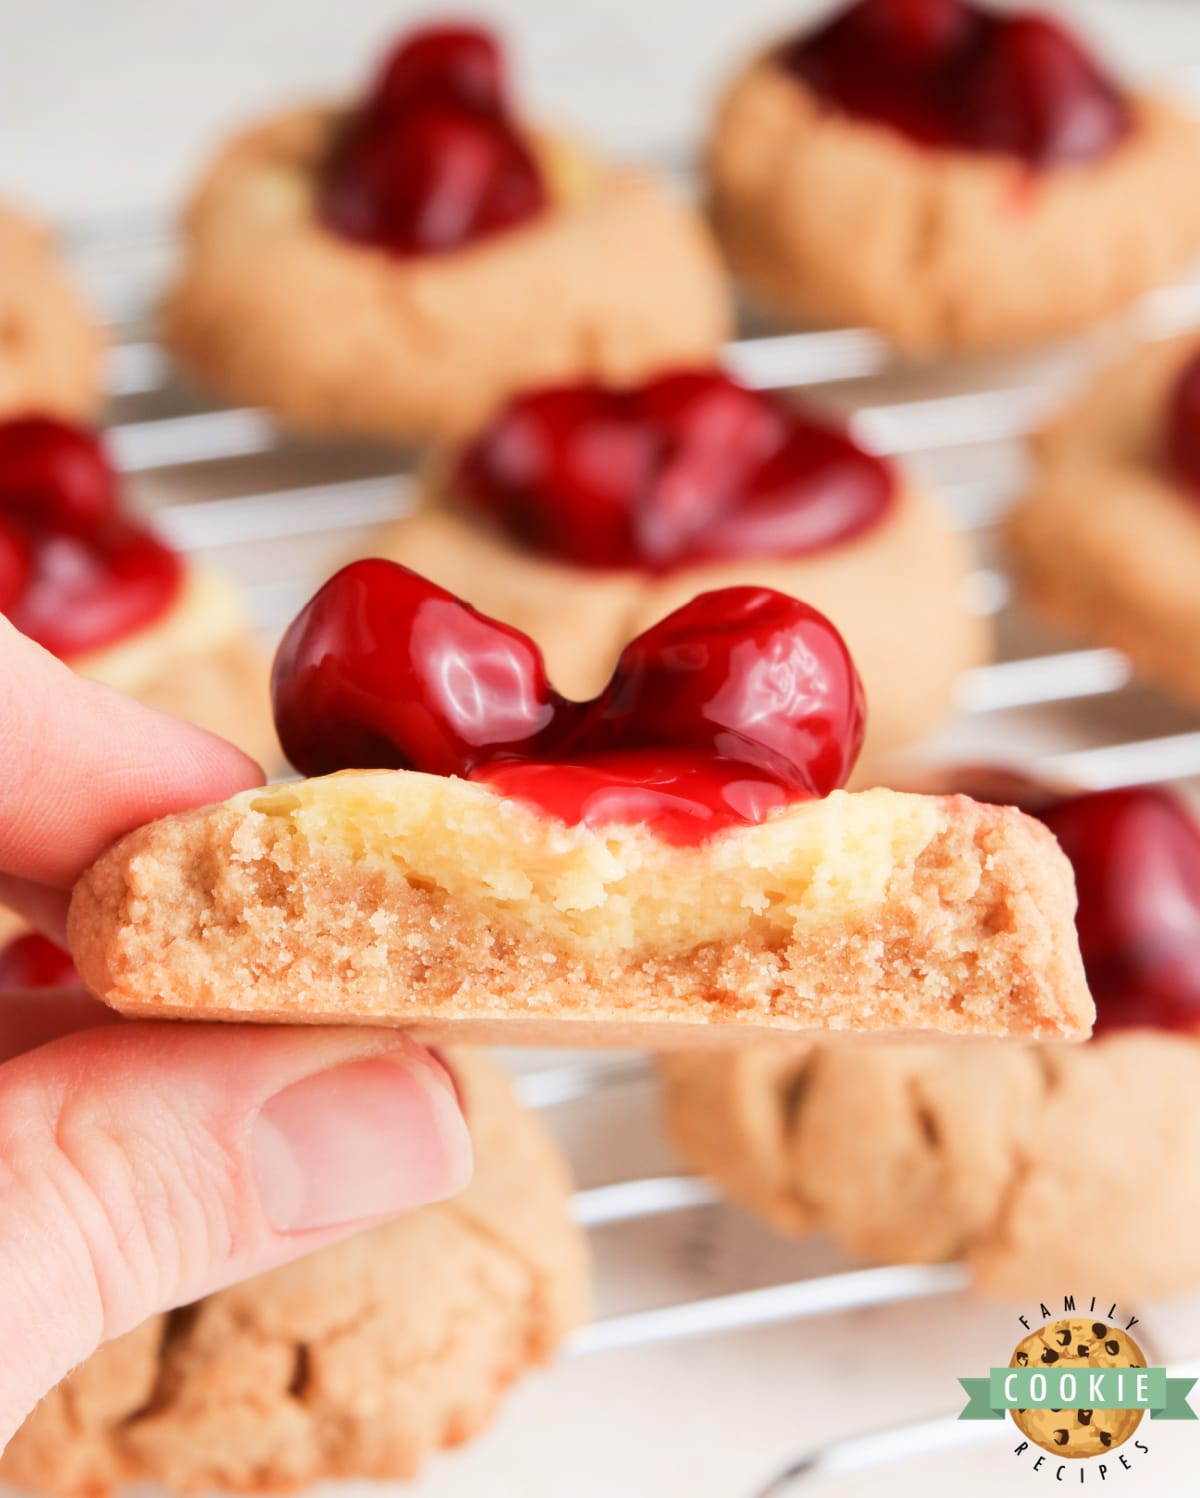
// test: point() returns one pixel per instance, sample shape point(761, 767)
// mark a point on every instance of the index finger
point(80, 764)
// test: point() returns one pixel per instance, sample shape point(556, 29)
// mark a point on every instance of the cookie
point(940, 245)
point(1078, 1342)
point(400, 898)
point(1062, 1165)
point(357, 1362)
point(895, 583)
point(51, 349)
point(1106, 544)
point(608, 276)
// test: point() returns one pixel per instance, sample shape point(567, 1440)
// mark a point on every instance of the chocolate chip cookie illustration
point(1078, 1342)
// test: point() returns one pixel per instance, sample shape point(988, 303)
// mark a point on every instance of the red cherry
point(954, 75)
point(560, 471)
point(1136, 855)
point(430, 181)
point(16, 565)
point(431, 162)
point(913, 32)
point(73, 575)
point(742, 674)
point(383, 669)
point(1035, 93)
point(736, 704)
point(689, 468)
point(55, 474)
point(685, 797)
point(1183, 427)
point(437, 63)
point(714, 434)
point(33, 961)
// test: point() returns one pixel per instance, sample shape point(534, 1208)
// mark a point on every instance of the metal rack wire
point(212, 478)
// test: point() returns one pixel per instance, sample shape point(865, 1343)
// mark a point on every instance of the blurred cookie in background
point(399, 265)
point(1037, 1165)
point(51, 348)
point(102, 592)
point(1106, 544)
point(957, 177)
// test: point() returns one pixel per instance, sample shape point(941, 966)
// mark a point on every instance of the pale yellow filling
point(208, 613)
point(619, 886)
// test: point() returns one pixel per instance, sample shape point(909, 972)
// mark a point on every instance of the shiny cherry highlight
point(737, 703)
point(689, 468)
point(954, 75)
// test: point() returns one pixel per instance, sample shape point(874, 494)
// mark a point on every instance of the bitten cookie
point(670, 862)
point(1038, 1166)
point(1107, 542)
point(955, 177)
point(357, 1362)
point(51, 349)
point(401, 267)
point(114, 602)
point(584, 515)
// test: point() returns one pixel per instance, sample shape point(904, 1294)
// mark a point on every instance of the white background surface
point(107, 107)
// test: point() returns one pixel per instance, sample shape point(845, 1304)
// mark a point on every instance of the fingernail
point(363, 1140)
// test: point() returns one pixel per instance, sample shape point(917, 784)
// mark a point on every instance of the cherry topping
point(33, 961)
point(74, 575)
point(689, 468)
point(431, 161)
point(439, 63)
point(951, 74)
point(735, 704)
point(1136, 855)
point(385, 670)
point(1183, 427)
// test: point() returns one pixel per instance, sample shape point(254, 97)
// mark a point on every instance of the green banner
point(1077, 1388)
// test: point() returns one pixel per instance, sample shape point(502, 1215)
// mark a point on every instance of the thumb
point(144, 1165)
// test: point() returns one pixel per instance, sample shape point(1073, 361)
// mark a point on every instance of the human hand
point(145, 1164)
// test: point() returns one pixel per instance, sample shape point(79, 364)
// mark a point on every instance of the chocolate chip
point(1084, 1416)
point(1112, 1346)
point(1022, 1359)
point(1082, 1350)
point(1105, 1438)
point(1049, 1355)
point(1064, 1336)
point(1061, 1437)
point(1098, 1328)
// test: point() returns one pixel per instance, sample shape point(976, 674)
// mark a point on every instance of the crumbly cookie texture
point(1106, 545)
point(357, 1362)
point(199, 662)
point(51, 350)
point(835, 220)
point(617, 280)
point(911, 567)
point(1059, 1165)
point(399, 898)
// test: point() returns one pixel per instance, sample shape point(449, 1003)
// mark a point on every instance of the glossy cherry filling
point(74, 575)
point(1136, 855)
point(689, 468)
point(432, 160)
point(1182, 434)
point(33, 961)
point(736, 704)
point(953, 75)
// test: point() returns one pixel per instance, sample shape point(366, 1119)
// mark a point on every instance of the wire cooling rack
point(226, 486)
